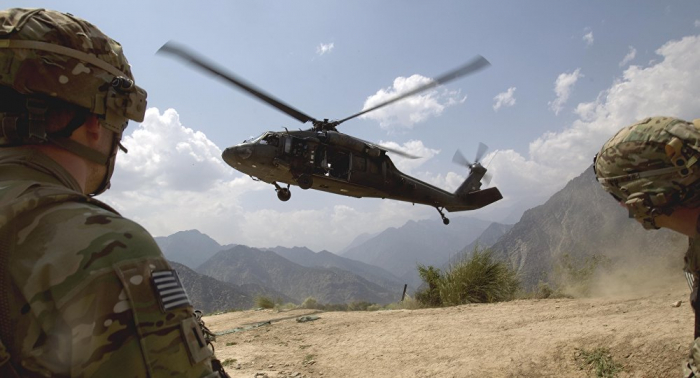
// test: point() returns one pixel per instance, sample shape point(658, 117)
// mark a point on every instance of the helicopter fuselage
point(337, 163)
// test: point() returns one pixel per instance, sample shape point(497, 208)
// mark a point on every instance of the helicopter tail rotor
point(477, 172)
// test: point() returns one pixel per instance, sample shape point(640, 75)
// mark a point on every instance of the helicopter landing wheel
point(284, 194)
point(305, 181)
point(445, 221)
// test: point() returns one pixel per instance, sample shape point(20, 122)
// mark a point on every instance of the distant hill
point(190, 248)
point(489, 237)
point(244, 265)
point(210, 295)
point(581, 220)
point(427, 242)
point(357, 241)
point(324, 259)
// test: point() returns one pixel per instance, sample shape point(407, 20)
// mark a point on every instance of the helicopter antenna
point(474, 65)
point(173, 48)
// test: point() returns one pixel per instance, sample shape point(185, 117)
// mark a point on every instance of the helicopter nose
point(236, 154)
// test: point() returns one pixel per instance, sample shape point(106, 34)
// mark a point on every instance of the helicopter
point(322, 158)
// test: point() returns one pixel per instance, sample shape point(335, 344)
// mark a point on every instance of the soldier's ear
point(696, 122)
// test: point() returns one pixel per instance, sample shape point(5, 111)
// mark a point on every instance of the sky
point(564, 77)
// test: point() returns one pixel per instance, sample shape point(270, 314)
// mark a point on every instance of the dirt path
point(524, 338)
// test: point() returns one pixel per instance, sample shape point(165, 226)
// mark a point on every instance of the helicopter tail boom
point(476, 200)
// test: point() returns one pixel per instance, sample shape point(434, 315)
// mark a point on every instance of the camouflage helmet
point(54, 54)
point(652, 167)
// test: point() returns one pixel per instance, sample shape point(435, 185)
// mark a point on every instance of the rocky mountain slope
point(581, 220)
point(210, 295)
point(489, 237)
point(324, 259)
point(243, 265)
point(190, 248)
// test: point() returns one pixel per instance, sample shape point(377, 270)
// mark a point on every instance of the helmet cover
point(652, 167)
point(59, 55)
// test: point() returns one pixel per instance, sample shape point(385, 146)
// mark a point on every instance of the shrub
point(430, 295)
point(477, 279)
point(601, 360)
point(311, 303)
point(264, 302)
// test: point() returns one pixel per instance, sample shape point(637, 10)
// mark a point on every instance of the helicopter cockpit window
point(256, 139)
point(271, 139)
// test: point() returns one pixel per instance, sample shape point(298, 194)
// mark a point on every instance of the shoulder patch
point(169, 290)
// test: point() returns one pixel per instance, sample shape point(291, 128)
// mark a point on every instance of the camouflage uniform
point(652, 167)
point(84, 292)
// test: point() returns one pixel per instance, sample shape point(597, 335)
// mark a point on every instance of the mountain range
point(581, 220)
point(244, 265)
point(427, 242)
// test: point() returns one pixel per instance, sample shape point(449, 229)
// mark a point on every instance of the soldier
point(652, 169)
point(83, 291)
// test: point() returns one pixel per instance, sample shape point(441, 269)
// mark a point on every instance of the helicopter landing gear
point(305, 181)
point(284, 194)
point(445, 221)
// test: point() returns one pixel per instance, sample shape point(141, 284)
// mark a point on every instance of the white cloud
point(406, 113)
point(588, 38)
point(670, 87)
point(562, 88)
point(413, 147)
point(324, 48)
point(173, 178)
point(629, 57)
point(506, 98)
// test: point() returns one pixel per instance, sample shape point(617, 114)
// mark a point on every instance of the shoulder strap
point(23, 197)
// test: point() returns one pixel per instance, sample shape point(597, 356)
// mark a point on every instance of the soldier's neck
point(682, 220)
point(76, 166)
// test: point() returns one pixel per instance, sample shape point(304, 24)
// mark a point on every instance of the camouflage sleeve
point(96, 308)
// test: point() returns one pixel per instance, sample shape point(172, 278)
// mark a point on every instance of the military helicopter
point(325, 159)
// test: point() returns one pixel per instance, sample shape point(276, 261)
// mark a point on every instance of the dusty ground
point(523, 338)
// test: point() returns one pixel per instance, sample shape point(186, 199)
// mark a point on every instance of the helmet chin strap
point(105, 184)
point(108, 160)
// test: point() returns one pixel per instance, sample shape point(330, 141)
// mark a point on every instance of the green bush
point(311, 303)
point(264, 302)
point(430, 296)
point(599, 359)
point(477, 279)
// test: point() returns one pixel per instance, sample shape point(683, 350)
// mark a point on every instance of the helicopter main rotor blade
point(392, 150)
point(399, 152)
point(474, 65)
point(190, 57)
point(459, 159)
point(481, 151)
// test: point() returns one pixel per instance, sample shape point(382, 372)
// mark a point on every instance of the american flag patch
point(169, 290)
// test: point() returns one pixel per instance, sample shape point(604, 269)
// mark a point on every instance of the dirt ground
point(522, 338)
